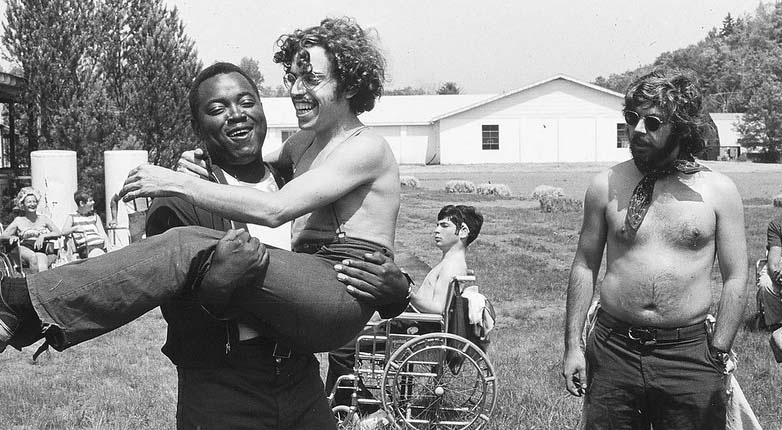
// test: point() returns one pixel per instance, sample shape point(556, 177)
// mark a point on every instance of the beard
point(653, 158)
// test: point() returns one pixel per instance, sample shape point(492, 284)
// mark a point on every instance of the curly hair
point(357, 63)
point(23, 193)
point(677, 93)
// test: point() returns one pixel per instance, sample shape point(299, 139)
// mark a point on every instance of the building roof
point(389, 110)
point(11, 87)
point(415, 110)
point(537, 84)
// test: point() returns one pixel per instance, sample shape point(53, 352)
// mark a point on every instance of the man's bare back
point(645, 281)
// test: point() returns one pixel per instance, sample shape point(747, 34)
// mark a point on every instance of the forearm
point(579, 296)
point(237, 203)
point(730, 313)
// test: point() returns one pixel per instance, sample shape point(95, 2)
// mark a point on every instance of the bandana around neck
point(642, 194)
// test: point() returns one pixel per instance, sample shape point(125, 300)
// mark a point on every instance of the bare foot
point(238, 260)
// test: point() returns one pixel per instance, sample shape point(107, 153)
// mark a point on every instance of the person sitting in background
point(456, 228)
point(86, 227)
point(770, 286)
point(31, 230)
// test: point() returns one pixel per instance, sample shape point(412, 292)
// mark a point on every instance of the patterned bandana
point(642, 194)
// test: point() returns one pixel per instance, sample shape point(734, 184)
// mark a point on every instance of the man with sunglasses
point(651, 359)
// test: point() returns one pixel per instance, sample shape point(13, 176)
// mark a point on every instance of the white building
point(560, 119)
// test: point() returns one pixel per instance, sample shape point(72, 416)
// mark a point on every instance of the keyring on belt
point(643, 335)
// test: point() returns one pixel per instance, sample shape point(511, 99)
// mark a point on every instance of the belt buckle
point(281, 351)
point(643, 335)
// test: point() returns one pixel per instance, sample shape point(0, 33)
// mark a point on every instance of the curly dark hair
point(357, 63)
point(678, 94)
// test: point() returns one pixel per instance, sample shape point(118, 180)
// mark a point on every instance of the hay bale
point(409, 182)
point(459, 186)
point(547, 191)
point(559, 204)
point(500, 190)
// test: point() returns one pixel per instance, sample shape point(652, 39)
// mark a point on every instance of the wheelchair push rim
point(439, 380)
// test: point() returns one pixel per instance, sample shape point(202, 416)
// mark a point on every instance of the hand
point(147, 180)
point(376, 279)
point(574, 371)
point(38, 242)
point(112, 224)
point(193, 163)
point(238, 260)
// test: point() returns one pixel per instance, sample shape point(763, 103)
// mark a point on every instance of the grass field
point(522, 258)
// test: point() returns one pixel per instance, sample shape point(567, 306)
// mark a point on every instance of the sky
point(486, 46)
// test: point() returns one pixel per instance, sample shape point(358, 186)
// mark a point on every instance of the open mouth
point(303, 107)
point(239, 133)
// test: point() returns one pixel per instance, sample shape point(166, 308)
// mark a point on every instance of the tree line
point(739, 65)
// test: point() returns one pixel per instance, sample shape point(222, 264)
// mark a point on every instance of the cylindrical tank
point(53, 173)
point(117, 164)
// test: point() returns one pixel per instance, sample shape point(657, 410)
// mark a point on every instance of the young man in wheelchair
point(457, 227)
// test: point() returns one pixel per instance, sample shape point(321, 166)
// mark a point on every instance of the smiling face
point(30, 204)
point(315, 94)
point(230, 119)
point(651, 149)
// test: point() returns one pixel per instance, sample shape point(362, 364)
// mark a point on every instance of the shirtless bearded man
point(661, 219)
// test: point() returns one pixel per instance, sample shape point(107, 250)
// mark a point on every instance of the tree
point(252, 68)
point(103, 74)
point(406, 91)
point(448, 88)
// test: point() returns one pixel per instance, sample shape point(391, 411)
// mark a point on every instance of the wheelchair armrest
point(419, 317)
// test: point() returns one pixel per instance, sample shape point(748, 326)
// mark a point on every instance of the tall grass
point(521, 258)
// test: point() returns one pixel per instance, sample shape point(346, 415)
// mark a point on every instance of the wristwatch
point(721, 356)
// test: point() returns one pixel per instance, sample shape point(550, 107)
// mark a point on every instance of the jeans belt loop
point(281, 351)
point(643, 335)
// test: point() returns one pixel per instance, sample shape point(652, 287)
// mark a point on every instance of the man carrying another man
point(661, 219)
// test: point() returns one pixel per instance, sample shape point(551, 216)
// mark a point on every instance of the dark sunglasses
point(651, 122)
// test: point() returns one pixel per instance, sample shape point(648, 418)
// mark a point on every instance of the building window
point(491, 137)
point(622, 141)
point(285, 134)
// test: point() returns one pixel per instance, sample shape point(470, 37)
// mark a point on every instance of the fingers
point(192, 166)
point(377, 257)
point(360, 295)
point(352, 267)
point(353, 272)
point(232, 235)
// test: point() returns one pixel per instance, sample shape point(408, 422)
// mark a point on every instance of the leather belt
point(650, 335)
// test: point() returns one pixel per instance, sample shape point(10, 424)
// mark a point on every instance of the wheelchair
point(437, 380)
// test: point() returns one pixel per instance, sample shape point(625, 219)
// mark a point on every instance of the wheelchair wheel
point(7, 268)
point(346, 418)
point(439, 380)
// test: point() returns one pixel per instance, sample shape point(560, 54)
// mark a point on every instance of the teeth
point(239, 133)
point(303, 107)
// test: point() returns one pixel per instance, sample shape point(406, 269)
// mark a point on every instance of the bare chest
point(670, 221)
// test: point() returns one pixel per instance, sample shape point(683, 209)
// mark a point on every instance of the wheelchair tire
point(7, 268)
point(439, 380)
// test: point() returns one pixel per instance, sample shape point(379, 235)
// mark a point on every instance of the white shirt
point(279, 237)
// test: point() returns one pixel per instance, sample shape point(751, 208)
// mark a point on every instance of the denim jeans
point(301, 298)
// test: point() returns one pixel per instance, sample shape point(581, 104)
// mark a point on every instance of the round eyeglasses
point(651, 122)
point(310, 80)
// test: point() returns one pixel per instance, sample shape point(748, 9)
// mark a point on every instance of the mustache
point(639, 140)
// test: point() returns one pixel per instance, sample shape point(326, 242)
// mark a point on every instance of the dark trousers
point(252, 392)
point(300, 299)
point(673, 384)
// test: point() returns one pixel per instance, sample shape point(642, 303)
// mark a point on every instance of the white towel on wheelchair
point(479, 312)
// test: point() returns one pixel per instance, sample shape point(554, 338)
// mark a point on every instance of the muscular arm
point(732, 255)
point(583, 276)
point(354, 163)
